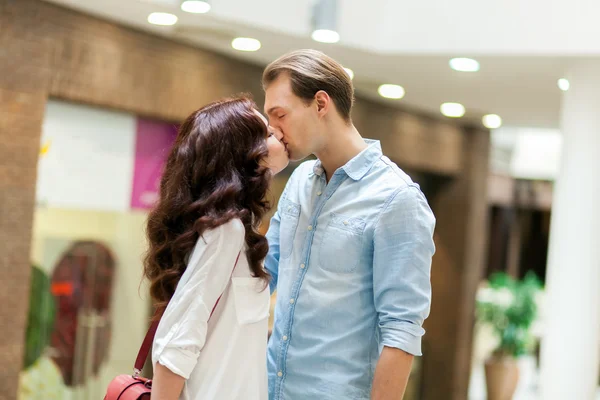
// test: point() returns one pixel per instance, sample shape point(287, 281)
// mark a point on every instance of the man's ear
point(323, 102)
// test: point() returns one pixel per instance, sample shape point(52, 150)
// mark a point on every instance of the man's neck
point(343, 144)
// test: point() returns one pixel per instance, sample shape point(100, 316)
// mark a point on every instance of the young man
point(350, 246)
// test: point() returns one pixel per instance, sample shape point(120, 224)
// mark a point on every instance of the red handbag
point(136, 387)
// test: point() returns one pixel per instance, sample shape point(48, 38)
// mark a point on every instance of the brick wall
point(24, 78)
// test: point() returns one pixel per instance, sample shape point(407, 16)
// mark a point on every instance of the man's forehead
point(273, 101)
point(278, 94)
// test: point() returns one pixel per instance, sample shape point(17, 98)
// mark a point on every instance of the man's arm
point(403, 248)
point(272, 259)
point(391, 374)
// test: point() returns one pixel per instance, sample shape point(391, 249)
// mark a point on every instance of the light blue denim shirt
point(351, 262)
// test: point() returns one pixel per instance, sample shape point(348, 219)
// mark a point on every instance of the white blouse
point(224, 358)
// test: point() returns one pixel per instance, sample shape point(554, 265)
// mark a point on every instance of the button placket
point(323, 195)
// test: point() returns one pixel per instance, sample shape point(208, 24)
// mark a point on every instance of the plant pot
point(501, 377)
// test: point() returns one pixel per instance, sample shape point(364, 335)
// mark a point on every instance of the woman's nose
point(277, 133)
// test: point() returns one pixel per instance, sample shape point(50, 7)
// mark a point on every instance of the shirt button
point(285, 338)
point(280, 374)
point(302, 266)
point(291, 301)
point(319, 193)
point(310, 227)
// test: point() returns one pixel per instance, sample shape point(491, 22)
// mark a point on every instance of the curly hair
point(213, 175)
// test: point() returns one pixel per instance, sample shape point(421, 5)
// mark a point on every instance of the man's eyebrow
point(272, 109)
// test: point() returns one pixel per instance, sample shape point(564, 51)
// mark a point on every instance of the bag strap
point(147, 343)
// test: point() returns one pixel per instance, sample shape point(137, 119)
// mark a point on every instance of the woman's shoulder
point(224, 238)
point(233, 227)
point(230, 230)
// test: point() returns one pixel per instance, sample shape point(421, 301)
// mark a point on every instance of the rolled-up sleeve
point(179, 361)
point(182, 331)
point(403, 248)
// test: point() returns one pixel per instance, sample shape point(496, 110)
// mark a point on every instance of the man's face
point(297, 120)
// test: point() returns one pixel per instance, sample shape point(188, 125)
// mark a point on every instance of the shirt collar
point(358, 166)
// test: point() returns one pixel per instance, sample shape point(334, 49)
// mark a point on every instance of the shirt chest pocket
point(252, 300)
point(341, 248)
point(290, 215)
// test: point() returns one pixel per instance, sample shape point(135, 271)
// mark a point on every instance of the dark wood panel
point(461, 210)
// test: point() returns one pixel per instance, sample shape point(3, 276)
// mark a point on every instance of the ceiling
point(521, 88)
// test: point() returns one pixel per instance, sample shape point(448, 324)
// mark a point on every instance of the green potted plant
point(510, 308)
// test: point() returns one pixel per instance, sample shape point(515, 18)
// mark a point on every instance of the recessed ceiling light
point(452, 110)
point(564, 84)
point(464, 64)
point(326, 36)
point(492, 121)
point(350, 73)
point(324, 21)
point(159, 18)
point(195, 6)
point(391, 91)
point(245, 44)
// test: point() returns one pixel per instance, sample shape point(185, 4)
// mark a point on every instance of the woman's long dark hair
point(213, 174)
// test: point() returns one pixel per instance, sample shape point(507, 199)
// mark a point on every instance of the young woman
point(205, 257)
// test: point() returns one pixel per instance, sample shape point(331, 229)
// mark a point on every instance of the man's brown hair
point(311, 71)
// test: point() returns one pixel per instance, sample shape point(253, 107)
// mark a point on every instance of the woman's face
point(278, 157)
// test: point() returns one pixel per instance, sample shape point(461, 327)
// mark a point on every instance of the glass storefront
point(98, 175)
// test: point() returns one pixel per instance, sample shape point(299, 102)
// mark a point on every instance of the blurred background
point(492, 107)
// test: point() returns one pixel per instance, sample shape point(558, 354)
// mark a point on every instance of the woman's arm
point(166, 384)
point(182, 332)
